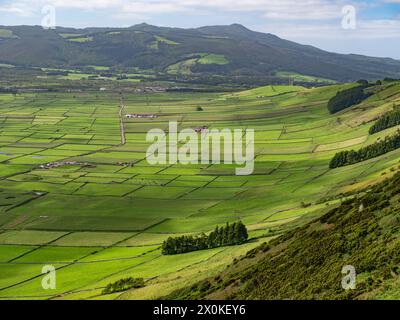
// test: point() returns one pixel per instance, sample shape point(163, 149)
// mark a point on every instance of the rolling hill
point(307, 263)
point(218, 50)
point(77, 191)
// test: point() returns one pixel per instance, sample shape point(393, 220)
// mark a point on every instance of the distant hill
point(222, 50)
point(307, 263)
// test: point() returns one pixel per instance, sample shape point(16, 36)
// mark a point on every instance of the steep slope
point(306, 263)
point(234, 50)
point(304, 58)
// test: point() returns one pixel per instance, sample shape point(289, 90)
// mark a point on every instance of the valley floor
point(104, 215)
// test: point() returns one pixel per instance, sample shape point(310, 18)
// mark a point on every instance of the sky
point(369, 27)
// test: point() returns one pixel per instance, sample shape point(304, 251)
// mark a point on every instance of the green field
point(162, 40)
point(103, 216)
point(184, 67)
point(213, 59)
point(5, 33)
point(302, 77)
point(80, 39)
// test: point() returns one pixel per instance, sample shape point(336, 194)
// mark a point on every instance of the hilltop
point(231, 50)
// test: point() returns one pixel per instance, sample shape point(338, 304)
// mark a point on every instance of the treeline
point(123, 285)
point(8, 90)
point(345, 158)
point(347, 98)
point(231, 234)
point(388, 120)
point(288, 266)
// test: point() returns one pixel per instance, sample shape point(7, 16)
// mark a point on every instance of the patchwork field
point(74, 195)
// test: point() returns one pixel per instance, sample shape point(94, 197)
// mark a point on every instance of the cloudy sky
point(370, 27)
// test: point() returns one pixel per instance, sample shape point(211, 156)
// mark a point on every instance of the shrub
point(123, 285)
point(347, 98)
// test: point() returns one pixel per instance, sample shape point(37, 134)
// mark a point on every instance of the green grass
point(316, 253)
point(100, 68)
point(29, 237)
point(10, 252)
point(122, 253)
point(159, 40)
point(183, 67)
point(302, 77)
point(6, 65)
point(69, 35)
point(5, 33)
point(213, 59)
point(49, 255)
point(81, 39)
point(112, 198)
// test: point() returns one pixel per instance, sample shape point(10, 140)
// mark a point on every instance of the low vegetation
point(123, 285)
point(6, 34)
point(303, 78)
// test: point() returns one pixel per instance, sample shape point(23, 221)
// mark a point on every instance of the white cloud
point(271, 9)
point(365, 29)
point(83, 4)
point(154, 7)
point(19, 9)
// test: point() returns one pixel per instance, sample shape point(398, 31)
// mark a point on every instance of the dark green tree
point(231, 234)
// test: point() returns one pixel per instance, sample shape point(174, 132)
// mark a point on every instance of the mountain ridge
point(234, 49)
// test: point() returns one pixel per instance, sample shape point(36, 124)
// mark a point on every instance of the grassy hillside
point(306, 263)
point(222, 50)
point(101, 214)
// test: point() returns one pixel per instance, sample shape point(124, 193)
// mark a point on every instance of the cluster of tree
point(123, 285)
point(388, 120)
point(238, 80)
point(345, 158)
point(363, 82)
point(106, 75)
point(347, 98)
point(390, 79)
point(57, 73)
point(231, 234)
point(122, 77)
point(8, 90)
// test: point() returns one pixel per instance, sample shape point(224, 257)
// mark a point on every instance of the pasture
point(99, 212)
